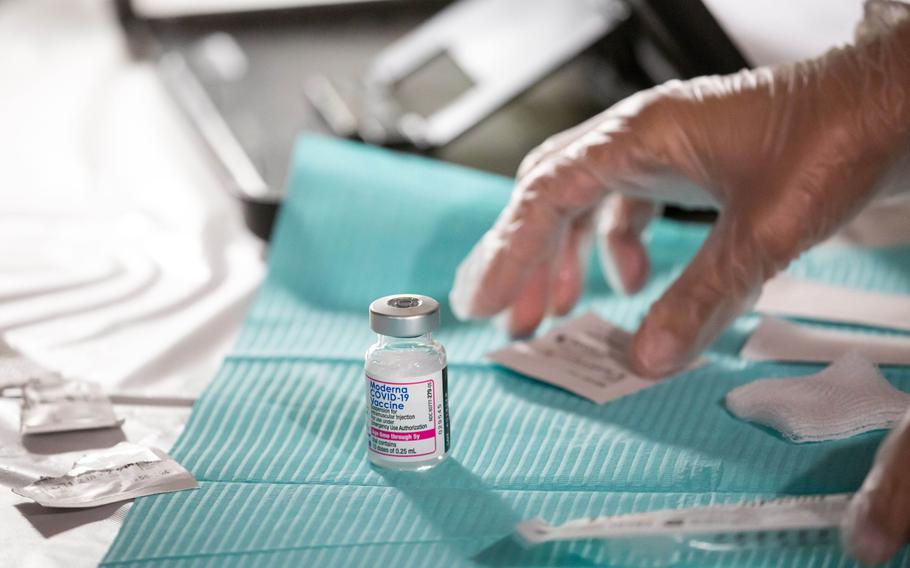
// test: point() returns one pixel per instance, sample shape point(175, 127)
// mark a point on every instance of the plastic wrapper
point(788, 522)
point(122, 472)
point(63, 406)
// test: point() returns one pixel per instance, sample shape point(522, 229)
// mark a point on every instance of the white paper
point(106, 476)
point(779, 340)
point(58, 405)
point(586, 355)
point(789, 296)
point(786, 514)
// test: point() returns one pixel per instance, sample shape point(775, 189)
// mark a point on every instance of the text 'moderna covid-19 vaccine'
point(407, 385)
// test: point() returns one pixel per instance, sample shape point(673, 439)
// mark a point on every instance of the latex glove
point(878, 519)
point(787, 153)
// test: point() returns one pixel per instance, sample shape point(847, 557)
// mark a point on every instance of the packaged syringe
point(790, 521)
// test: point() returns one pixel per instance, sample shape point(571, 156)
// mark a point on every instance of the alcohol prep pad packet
point(122, 472)
point(58, 405)
point(586, 355)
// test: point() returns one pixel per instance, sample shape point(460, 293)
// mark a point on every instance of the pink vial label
point(408, 420)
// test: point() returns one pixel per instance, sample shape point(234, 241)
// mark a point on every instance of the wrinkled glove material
point(789, 154)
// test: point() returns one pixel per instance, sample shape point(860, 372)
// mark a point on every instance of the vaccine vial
point(407, 385)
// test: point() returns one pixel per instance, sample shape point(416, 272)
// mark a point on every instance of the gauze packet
point(586, 355)
point(122, 472)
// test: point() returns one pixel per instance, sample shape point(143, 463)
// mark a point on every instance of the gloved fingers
point(624, 150)
point(530, 306)
point(877, 523)
point(554, 145)
point(557, 283)
point(572, 264)
point(527, 233)
point(720, 282)
point(622, 253)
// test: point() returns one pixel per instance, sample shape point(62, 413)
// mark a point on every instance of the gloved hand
point(878, 519)
point(787, 153)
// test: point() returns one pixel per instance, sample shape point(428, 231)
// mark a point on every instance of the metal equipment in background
point(475, 82)
point(496, 48)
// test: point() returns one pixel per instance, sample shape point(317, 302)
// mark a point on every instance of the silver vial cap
point(404, 315)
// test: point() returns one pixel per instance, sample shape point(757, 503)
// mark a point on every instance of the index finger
point(526, 234)
point(878, 520)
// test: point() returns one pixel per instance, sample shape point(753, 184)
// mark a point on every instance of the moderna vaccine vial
point(407, 385)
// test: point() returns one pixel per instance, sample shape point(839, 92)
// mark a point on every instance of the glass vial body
point(407, 418)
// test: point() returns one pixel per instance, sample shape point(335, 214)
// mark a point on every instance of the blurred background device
point(475, 82)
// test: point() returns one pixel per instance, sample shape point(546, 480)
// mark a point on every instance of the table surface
point(122, 261)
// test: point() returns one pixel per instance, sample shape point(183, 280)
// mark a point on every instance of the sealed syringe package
point(667, 535)
point(122, 472)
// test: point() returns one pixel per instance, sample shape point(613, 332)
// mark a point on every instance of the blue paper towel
point(277, 440)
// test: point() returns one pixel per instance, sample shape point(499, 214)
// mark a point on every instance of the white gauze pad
point(849, 397)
